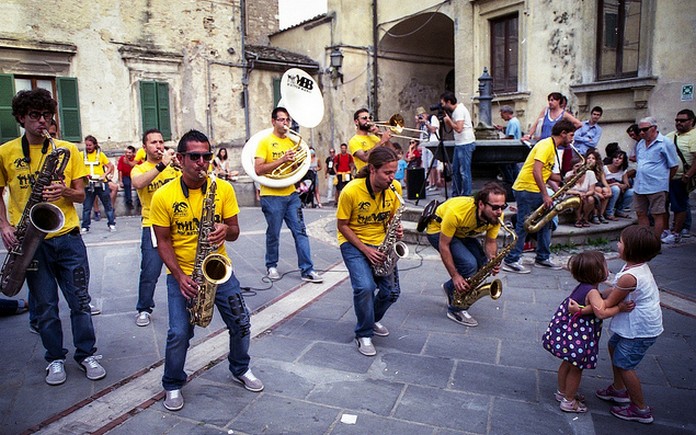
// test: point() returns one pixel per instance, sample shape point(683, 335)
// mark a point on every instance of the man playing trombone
point(282, 203)
point(365, 138)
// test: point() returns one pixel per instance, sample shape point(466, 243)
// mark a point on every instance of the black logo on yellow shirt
point(20, 163)
point(363, 205)
point(180, 208)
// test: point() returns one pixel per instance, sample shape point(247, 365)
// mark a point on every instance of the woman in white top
point(584, 189)
point(616, 174)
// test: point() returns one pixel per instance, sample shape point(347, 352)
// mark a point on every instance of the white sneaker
point(143, 319)
point(671, 239)
point(112, 228)
point(273, 274)
point(93, 310)
point(515, 267)
point(250, 382)
point(84, 230)
point(365, 346)
point(55, 372)
point(314, 277)
point(380, 330)
point(93, 370)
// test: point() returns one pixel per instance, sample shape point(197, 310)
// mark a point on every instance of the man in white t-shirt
point(464, 142)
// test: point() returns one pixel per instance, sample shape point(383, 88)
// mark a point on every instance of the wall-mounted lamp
point(336, 64)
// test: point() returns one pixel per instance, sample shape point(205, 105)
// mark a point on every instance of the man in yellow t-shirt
point(97, 186)
point(453, 233)
point(365, 208)
point(61, 258)
point(530, 193)
point(282, 204)
point(364, 139)
point(147, 177)
point(175, 213)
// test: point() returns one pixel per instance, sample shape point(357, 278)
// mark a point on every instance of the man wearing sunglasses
point(282, 204)
point(175, 214)
point(657, 162)
point(365, 138)
point(684, 137)
point(453, 233)
point(61, 258)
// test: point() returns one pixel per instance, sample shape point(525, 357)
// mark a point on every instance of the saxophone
point(209, 268)
point(392, 248)
point(477, 287)
point(38, 219)
point(541, 216)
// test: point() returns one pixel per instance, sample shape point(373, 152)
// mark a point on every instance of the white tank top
point(645, 320)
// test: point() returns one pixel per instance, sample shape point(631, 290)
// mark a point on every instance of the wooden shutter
point(9, 129)
point(163, 118)
point(69, 109)
point(148, 105)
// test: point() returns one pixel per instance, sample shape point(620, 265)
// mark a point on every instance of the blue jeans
point(629, 352)
point(618, 200)
point(150, 270)
point(102, 191)
point(127, 190)
point(369, 307)
point(468, 257)
point(277, 209)
point(62, 261)
point(181, 332)
point(461, 169)
point(527, 202)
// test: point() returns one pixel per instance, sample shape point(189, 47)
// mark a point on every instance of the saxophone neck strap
point(368, 186)
point(185, 188)
point(25, 148)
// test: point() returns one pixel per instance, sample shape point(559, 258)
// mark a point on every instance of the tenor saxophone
point(394, 249)
point(543, 215)
point(479, 289)
point(38, 219)
point(209, 269)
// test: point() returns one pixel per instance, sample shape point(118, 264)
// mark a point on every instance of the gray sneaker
point(380, 330)
point(93, 370)
point(547, 264)
point(462, 317)
point(314, 277)
point(515, 267)
point(143, 319)
point(250, 382)
point(174, 400)
point(273, 274)
point(365, 346)
point(95, 311)
point(55, 372)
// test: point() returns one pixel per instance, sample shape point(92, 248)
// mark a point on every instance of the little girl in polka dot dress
point(575, 338)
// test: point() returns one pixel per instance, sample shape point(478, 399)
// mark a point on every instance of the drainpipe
point(375, 70)
point(245, 71)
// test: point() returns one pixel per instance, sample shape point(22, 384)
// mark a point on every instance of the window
point(67, 118)
point(504, 50)
point(618, 41)
point(154, 105)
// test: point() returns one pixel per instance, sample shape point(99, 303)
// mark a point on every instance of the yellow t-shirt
point(459, 220)
point(95, 162)
point(368, 217)
point(545, 152)
point(171, 208)
point(365, 143)
point(270, 149)
point(145, 194)
point(140, 156)
point(18, 177)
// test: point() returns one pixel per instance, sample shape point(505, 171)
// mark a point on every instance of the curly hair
point(36, 99)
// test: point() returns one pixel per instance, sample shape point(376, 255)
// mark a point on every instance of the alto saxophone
point(542, 215)
point(394, 249)
point(38, 219)
point(477, 287)
point(209, 268)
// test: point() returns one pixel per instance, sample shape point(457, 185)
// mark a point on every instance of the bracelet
point(160, 166)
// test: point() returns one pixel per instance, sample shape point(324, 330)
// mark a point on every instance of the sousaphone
point(301, 97)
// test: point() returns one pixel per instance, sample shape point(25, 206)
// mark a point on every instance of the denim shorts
point(628, 352)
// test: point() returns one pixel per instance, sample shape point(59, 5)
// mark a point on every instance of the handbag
point(427, 215)
point(691, 183)
point(573, 338)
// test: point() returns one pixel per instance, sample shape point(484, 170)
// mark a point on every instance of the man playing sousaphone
point(453, 232)
point(282, 203)
point(176, 216)
point(365, 139)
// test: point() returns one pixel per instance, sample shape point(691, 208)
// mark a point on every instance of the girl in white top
point(584, 189)
point(616, 173)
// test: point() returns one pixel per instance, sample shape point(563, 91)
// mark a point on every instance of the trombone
point(396, 125)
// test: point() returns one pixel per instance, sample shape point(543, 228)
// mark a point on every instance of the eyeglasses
point(496, 207)
point(645, 129)
point(365, 118)
point(34, 116)
point(283, 119)
point(197, 156)
point(413, 141)
point(682, 120)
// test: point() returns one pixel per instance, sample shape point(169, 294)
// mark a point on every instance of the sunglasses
point(365, 118)
point(34, 116)
point(682, 120)
point(496, 207)
point(645, 129)
point(197, 156)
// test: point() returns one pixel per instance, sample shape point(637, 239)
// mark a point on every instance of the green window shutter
point(69, 109)
point(148, 105)
point(276, 92)
point(9, 129)
point(164, 122)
